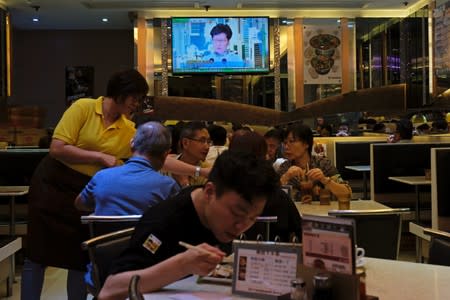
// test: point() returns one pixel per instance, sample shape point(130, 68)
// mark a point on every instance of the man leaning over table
point(218, 212)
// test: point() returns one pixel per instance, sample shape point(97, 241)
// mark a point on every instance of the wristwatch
point(197, 171)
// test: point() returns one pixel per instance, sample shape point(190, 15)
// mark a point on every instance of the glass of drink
point(325, 196)
point(344, 202)
point(306, 187)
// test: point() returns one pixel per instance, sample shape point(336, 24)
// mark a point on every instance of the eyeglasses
point(202, 141)
point(290, 142)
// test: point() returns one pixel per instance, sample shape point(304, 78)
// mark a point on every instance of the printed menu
point(328, 243)
point(264, 269)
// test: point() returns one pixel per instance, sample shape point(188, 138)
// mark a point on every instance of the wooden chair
point(102, 250)
point(439, 243)
point(378, 231)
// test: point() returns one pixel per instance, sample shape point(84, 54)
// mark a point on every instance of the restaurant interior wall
point(391, 52)
point(41, 56)
point(3, 68)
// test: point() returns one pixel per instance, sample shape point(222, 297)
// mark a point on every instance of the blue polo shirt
point(128, 189)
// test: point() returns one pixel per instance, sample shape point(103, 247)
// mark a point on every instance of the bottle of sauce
point(322, 287)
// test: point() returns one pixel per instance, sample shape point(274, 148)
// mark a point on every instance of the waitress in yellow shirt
point(91, 135)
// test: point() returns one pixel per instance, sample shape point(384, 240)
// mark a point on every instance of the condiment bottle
point(322, 287)
point(298, 289)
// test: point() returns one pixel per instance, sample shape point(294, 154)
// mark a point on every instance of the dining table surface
point(316, 209)
point(386, 279)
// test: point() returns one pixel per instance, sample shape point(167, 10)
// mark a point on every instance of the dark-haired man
point(194, 146)
point(227, 205)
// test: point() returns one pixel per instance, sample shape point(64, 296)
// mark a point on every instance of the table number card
point(264, 270)
point(328, 243)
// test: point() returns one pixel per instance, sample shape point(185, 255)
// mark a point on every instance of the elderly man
point(227, 205)
point(194, 145)
point(131, 188)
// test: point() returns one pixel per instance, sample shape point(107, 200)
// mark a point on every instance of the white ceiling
point(87, 14)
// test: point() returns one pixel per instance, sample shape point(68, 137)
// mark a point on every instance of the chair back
point(99, 225)
point(377, 231)
point(102, 250)
point(439, 253)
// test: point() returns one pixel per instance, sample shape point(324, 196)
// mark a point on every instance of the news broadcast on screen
point(220, 45)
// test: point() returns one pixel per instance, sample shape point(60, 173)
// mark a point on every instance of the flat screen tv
point(230, 45)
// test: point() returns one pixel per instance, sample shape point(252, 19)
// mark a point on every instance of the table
point(364, 169)
point(387, 279)
point(416, 181)
point(12, 192)
point(322, 210)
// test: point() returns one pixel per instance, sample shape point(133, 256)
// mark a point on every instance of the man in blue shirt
point(133, 187)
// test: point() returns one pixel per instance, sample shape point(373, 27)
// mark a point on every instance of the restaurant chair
point(378, 231)
point(439, 243)
point(99, 225)
point(133, 290)
point(102, 250)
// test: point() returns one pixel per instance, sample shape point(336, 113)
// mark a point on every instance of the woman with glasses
point(301, 165)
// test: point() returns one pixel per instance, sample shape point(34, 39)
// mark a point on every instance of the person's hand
point(201, 262)
point(292, 172)
point(316, 174)
point(107, 160)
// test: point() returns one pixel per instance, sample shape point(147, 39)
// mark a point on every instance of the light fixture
point(35, 19)
point(105, 20)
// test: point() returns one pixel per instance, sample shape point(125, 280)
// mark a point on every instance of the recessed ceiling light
point(105, 20)
point(35, 19)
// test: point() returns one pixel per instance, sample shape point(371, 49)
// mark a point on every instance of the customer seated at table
point(298, 144)
point(218, 135)
point(403, 132)
point(237, 189)
point(194, 146)
point(273, 138)
point(133, 187)
point(289, 223)
point(439, 126)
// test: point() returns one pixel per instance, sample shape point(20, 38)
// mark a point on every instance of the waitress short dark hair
point(126, 83)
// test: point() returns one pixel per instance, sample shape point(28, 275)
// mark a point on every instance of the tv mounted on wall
point(230, 45)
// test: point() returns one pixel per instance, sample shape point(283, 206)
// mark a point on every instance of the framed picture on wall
point(79, 83)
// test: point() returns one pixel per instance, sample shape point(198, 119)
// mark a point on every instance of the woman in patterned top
point(298, 144)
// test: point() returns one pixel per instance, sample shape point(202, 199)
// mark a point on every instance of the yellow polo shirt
point(82, 126)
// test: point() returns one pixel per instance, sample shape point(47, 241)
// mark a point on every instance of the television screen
point(220, 45)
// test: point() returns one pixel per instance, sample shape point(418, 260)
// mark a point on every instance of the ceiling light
point(105, 20)
point(35, 20)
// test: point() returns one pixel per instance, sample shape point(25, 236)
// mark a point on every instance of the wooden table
point(12, 192)
point(387, 279)
point(364, 169)
point(322, 210)
point(415, 181)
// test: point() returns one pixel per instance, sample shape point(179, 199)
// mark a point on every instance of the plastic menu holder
point(264, 270)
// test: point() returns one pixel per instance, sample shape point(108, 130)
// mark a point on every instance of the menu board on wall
point(441, 18)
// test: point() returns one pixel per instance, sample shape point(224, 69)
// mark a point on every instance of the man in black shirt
point(237, 189)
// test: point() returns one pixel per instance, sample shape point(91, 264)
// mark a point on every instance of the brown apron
point(55, 232)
